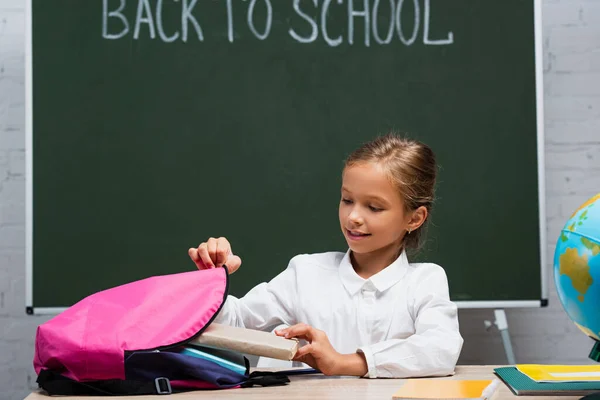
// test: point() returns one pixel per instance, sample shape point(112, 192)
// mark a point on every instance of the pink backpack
point(128, 340)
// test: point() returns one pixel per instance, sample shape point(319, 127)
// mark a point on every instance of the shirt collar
point(382, 280)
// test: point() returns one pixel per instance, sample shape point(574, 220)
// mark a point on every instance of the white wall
point(16, 330)
point(572, 100)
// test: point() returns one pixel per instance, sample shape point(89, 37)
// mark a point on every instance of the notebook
point(446, 389)
point(561, 373)
point(521, 384)
point(208, 354)
point(247, 341)
point(232, 356)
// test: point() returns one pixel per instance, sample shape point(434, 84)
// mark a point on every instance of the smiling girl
point(367, 312)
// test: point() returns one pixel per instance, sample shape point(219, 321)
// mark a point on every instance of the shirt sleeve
point(434, 348)
point(265, 306)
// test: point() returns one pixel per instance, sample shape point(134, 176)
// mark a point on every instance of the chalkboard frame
point(31, 309)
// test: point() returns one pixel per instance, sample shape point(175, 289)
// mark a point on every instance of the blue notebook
point(520, 384)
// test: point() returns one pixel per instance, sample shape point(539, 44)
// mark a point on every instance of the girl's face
point(372, 215)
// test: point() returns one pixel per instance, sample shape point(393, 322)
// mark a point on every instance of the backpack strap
point(266, 378)
point(56, 384)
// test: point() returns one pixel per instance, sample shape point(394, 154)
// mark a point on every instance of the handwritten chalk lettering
point(371, 12)
point(381, 21)
point(324, 11)
point(313, 24)
point(426, 40)
point(113, 14)
point(144, 16)
point(415, 31)
point(187, 16)
point(268, 22)
point(144, 8)
point(375, 23)
point(229, 21)
point(159, 24)
point(364, 13)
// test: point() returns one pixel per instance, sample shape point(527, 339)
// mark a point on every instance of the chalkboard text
point(381, 21)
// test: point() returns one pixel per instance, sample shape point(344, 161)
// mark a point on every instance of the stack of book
point(551, 380)
point(226, 345)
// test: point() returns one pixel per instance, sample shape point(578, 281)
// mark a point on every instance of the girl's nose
point(355, 217)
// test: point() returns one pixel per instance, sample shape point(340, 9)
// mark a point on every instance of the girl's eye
point(346, 201)
point(375, 209)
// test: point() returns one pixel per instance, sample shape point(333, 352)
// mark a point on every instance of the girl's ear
point(417, 218)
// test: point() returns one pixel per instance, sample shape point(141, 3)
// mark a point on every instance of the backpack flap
point(88, 341)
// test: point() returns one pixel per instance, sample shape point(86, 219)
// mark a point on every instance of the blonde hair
point(411, 167)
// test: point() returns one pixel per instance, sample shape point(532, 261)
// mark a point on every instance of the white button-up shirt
point(401, 318)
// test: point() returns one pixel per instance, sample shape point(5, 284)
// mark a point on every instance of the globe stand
point(594, 355)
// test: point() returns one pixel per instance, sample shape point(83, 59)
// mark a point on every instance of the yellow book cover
point(430, 389)
point(561, 373)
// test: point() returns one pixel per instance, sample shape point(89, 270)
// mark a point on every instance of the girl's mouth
point(356, 235)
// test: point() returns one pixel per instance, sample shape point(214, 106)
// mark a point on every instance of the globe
point(577, 270)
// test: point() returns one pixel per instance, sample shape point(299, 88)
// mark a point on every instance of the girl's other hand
point(318, 353)
point(214, 253)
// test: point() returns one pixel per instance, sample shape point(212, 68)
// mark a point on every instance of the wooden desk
point(319, 387)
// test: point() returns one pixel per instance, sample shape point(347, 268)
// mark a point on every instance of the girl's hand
point(214, 253)
point(318, 353)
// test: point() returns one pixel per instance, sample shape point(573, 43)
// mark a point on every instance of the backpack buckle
point(163, 386)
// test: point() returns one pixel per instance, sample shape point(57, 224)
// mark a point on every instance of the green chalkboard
point(157, 124)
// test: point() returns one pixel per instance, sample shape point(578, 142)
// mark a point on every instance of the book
point(561, 373)
point(248, 341)
point(232, 356)
point(446, 389)
point(205, 354)
point(520, 384)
